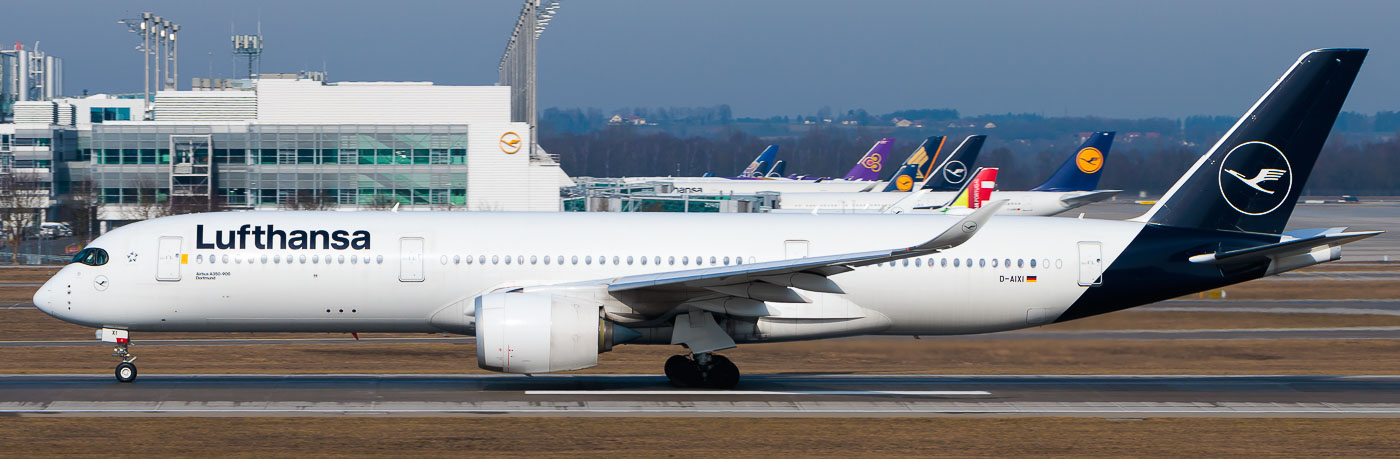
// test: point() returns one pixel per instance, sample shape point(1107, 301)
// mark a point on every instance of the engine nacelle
point(541, 332)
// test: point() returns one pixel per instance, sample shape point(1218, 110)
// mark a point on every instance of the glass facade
point(355, 166)
point(99, 114)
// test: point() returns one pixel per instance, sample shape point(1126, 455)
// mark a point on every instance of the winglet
point(964, 229)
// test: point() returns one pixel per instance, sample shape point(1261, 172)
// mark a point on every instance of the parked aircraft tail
point(870, 165)
point(1082, 170)
point(953, 171)
point(762, 163)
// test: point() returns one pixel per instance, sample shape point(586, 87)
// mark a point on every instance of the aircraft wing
point(772, 280)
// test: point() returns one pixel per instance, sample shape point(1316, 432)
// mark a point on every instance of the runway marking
point(757, 392)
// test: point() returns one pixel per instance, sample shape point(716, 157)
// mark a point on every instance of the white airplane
point(1070, 187)
point(863, 176)
point(548, 292)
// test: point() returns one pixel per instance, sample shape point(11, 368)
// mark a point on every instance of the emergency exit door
point(411, 259)
point(1090, 264)
point(168, 258)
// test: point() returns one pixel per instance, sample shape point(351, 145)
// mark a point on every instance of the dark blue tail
point(1082, 170)
point(953, 171)
point(778, 169)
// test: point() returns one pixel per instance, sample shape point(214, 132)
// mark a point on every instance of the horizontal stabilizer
point(1089, 197)
point(1283, 248)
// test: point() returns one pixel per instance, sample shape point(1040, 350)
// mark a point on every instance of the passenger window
point(726, 261)
point(495, 259)
point(301, 259)
point(918, 262)
point(276, 259)
point(906, 262)
point(225, 259)
point(1020, 262)
point(354, 260)
point(713, 261)
point(643, 259)
point(507, 259)
point(264, 259)
point(685, 261)
point(315, 259)
point(943, 262)
point(340, 259)
point(197, 258)
point(561, 259)
point(1059, 263)
point(546, 259)
point(629, 260)
point(533, 259)
point(602, 259)
point(574, 259)
point(994, 262)
point(379, 259)
point(981, 262)
point(671, 260)
point(457, 259)
point(957, 262)
point(1032, 262)
point(657, 260)
point(480, 259)
point(588, 260)
point(738, 260)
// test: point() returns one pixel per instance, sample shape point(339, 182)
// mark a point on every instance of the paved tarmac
point(774, 395)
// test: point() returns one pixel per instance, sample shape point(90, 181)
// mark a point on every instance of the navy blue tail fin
point(778, 169)
point(954, 170)
point(903, 179)
point(1250, 180)
point(1082, 170)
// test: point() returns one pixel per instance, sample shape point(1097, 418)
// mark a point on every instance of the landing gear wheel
point(723, 374)
point(683, 372)
point(126, 372)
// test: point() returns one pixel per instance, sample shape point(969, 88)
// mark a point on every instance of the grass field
point(699, 437)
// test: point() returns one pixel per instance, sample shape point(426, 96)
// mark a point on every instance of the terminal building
point(289, 142)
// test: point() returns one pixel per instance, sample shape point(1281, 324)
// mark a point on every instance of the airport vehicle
point(55, 230)
point(1071, 186)
point(548, 292)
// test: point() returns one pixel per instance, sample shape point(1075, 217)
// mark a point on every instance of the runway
point(773, 395)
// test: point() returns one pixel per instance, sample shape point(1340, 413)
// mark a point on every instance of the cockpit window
point(91, 256)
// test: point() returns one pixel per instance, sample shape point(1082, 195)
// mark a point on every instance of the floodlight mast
point(517, 68)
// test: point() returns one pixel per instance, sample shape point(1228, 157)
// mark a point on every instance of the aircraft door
point(411, 259)
point(1090, 264)
point(794, 249)
point(168, 258)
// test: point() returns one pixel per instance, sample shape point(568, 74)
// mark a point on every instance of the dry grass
point(1311, 289)
point(873, 356)
point(701, 437)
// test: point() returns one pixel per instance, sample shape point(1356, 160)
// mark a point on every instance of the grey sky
point(1106, 58)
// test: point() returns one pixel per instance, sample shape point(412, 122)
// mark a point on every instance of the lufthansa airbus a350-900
point(548, 292)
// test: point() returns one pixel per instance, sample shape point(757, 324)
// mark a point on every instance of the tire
point(682, 371)
point(126, 372)
point(723, 373)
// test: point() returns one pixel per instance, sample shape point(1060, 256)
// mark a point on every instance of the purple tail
point(870, 165)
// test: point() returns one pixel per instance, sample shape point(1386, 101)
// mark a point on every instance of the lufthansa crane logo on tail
point(872, 162)
point(1089, 160)
point(1255, 178)
point(955, 172)
point(904, 182)
point(510, 143)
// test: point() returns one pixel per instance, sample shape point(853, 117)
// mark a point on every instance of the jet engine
point(541, 332)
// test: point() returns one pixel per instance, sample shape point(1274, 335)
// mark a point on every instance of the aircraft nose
point(44, 298)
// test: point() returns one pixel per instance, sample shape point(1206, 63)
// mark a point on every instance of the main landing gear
point(702, 370)
point(126, 371)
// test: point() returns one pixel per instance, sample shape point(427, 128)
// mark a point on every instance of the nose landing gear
point(702, 369)
point(126, 371)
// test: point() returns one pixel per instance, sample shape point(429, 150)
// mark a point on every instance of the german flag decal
point(1030, 278)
